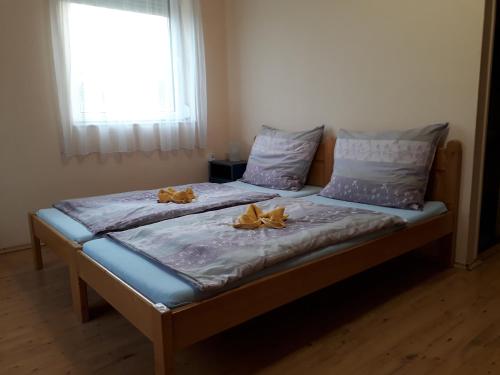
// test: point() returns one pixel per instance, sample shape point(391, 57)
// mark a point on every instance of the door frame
point(481, 128)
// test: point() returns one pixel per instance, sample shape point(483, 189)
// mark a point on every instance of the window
point(121, 66)
point(130, 75)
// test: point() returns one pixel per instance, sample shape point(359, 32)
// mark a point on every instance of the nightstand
point(221, 171)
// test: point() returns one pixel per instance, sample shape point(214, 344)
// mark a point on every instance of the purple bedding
point(206, 250)
point(122, 211)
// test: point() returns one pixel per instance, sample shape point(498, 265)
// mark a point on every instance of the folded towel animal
point(254, 218)
point(171, 195)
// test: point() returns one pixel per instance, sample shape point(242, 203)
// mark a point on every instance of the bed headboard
point(322, 164)
point(444, 180)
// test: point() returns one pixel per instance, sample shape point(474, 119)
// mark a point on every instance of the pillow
point(281, 160)
point(385, 169)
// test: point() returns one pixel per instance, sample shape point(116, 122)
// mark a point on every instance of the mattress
point(160, 285)
point(77, 232)
point(68, 227)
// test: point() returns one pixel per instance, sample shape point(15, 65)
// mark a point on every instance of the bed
point(65, 236)
point(173, 323)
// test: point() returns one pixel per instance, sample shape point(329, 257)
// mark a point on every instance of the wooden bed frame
point(173, 329)
point(66, 250)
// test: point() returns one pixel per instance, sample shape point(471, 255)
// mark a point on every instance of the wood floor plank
point(405, 317)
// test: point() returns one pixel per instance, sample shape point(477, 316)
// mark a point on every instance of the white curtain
point(130, 75)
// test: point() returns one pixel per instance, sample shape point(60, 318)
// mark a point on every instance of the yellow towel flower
point(171, 195)
point(254, 218)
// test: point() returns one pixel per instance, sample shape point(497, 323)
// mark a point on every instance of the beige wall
point(356, 64)
point(359, 64)
point(32, 173)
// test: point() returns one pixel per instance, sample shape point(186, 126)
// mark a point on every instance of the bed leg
point(79, 295)
point(447, 250)
point(36, 246)
point(162, 340)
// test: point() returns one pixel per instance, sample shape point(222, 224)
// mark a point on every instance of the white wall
point(357, 64)
point(32, 173)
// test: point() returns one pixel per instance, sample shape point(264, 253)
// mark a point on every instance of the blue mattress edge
point(68, 227)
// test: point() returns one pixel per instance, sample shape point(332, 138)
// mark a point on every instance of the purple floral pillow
point(281, 160)
point(386, 168)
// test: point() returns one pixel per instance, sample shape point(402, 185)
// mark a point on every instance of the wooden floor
point(402, 318)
